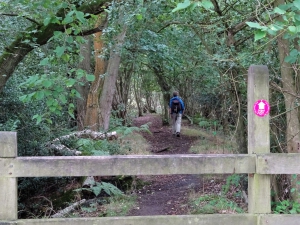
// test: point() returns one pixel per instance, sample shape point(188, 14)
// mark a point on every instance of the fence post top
point(8, 144)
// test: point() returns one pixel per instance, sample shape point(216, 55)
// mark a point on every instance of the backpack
point(175, 106)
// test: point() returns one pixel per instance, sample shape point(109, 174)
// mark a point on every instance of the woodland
point(74, 69)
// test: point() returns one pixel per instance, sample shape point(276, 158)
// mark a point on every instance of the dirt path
point(167, 194)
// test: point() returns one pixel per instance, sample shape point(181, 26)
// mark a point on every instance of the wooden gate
point(259, 164)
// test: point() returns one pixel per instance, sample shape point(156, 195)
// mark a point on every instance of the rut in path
point(166, 194)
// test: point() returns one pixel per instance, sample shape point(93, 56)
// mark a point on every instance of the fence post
point(8, 185)
point(259, 188)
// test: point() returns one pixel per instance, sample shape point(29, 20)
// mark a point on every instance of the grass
point(106, 207)
point(136, 143)
point(209, 142)
point(118, 206)
point(213, 203)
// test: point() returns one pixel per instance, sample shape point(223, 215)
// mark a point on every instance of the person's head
point(175, 93)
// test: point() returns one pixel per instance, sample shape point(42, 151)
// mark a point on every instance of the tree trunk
point(165, 87)
point(122, 92)
point(288, 84)
point(138, 97)
point(109, 85)
point(85, 64)
point(92, 118)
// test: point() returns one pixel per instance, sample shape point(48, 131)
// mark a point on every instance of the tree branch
point(11, 14)
point(91, 31)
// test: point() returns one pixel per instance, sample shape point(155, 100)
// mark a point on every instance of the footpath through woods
point(165, 194)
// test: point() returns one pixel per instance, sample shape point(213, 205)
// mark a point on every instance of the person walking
point(176, 110)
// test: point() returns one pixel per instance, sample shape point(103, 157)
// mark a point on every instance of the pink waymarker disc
point(261, 108)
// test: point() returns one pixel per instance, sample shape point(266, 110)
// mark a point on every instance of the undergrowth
point(210, 204)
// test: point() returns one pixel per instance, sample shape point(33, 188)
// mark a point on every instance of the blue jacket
point(181, 102)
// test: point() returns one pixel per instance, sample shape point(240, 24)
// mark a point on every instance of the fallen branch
point(67, 210)
point(60, 148)
point(89, 134)
point(163, 149)
point(245, 196)
point(157, 131)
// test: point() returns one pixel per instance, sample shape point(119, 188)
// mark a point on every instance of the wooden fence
point(259, 164)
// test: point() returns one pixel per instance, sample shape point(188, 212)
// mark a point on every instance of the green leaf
point(275, 27)
point(254, 25)
point(38, 118)
point(47, 83)
point(59, 51)
point(297, 17)
point(48, 92)
point(44, 62)
point(139, 16)
point(297, 3)
point(293, 211)
point(66, 57)
point(23, 98)
point(90, 77)
point(97, 189)
point(292, 29)
point(259, 34)
point(70, 39)
point(47, 20)
point(80, 16)
point(194, 5)
point(279, 11)
point(207, 4)
point(63, 99)
point(181, 6)
point(290, 59)
point(40, 95)
point(50, 102)
point(80, 73)
point(57, 34)
point(70, 82)
point(68, 19)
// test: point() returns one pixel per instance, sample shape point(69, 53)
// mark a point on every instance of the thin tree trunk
point(85, 64)
point(165, 87)
point(109, 85)
point(292, 125)
point(122, 92)
point(137, 96)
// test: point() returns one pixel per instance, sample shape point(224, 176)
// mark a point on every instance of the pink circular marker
point(261, 108)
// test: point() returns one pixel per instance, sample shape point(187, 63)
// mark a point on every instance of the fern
point(108, 188)
point(129, 130)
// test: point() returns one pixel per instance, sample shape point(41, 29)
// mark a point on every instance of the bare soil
point(166, 194)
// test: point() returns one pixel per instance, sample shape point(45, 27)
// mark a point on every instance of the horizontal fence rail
point(47, 166)
point(278, 163)
point(126, 165)
point(209, 219)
